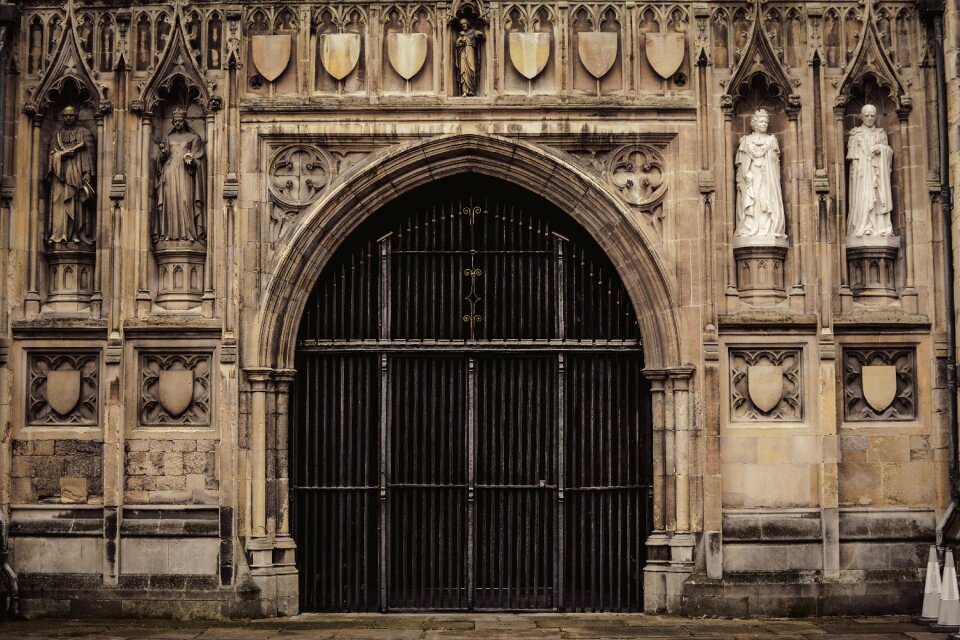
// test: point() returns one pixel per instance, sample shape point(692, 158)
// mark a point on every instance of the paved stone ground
point(487, 627)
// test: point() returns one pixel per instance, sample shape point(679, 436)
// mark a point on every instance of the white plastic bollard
point(949, 614)
point(931, 589)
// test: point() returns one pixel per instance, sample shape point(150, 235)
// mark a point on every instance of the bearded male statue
point(71, 167)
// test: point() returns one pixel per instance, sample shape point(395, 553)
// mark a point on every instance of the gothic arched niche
point(869, 90)
point(760, 67)
point(65, 106)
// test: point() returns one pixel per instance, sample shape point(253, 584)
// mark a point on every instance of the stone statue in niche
point(759, 195)
point(181, 184)
point(467, 59)
point(71, 167)
point(871, 161)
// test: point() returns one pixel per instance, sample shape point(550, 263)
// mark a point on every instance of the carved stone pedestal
point(70, 271)
point(760, 269)
point(180, 270)
point(872, 261)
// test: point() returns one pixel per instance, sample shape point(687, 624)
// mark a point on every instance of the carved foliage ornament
point(765, 385)
point(879, 384)
point(175, 389)
point(62, 388)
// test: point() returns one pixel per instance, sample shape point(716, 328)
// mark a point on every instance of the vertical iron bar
point(471, 475)
point(384, 474)
point(561, 411)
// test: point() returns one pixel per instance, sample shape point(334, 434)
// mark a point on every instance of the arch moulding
point(388, 174)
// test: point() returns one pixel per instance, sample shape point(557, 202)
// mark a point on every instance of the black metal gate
point(469, 419)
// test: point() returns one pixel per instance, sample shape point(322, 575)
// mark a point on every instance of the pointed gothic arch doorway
point(470, 425)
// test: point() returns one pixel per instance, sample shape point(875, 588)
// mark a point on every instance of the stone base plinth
point(872, 263)
point(70, 277)
point(180, 274)
point(760, 264)
point(758, 594)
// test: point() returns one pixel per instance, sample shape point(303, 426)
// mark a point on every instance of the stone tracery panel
point(63, 388)
point(879, 384)
point(175, 389)
point(297, 177)
point(766, 385)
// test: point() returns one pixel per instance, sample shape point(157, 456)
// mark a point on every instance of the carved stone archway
point(634, 251)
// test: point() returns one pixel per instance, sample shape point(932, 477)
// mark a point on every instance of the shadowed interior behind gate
point(470, 424)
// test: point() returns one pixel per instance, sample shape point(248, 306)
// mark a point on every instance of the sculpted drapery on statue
point(759, 195)
point(70, 171)
point(871, 161)
point(467, 60)
point(181, 185)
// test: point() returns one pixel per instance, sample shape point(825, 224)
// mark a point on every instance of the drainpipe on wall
point(946, 528)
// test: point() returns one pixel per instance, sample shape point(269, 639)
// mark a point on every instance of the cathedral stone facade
point(477, 305)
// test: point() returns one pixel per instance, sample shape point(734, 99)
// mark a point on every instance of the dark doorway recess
point(471, 425)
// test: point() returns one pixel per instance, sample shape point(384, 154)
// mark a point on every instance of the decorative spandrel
point(71, 171)
point(298, 175)
point(175, 389)
point(62, 389)
point(766, 385)
point(879, 384)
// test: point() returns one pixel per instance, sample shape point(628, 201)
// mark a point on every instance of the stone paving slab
point(479, 627)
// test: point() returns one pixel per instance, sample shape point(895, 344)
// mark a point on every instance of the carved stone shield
point(176, 390)
point(63, 390)
point(598, 51)
point(879, 385)
point(765, 385)
point(665, 52)
point(407, 53)
point(339, 53)
point(529, 53)
point(271, 54)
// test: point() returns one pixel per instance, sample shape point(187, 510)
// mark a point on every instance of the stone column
point(908, 298)
point(283, 379)
point(143, 220)
point(683, 424)
point(258, 377)
point(797, 298)
point(209, 268)
point(683, 542)
point(658, 551)
point(31, 302)
point(670, 547)
point(840, 184)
